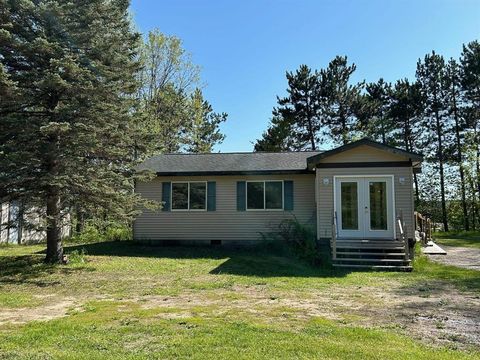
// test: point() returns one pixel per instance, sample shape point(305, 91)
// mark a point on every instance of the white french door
point(364, 207)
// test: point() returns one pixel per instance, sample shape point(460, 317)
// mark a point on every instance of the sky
point(244, 47)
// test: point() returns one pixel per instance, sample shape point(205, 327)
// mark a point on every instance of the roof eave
point(314, 160)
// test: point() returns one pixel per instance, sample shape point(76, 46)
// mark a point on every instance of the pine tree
point(278, 137)
point(66, 126)
point(302, 107)
point(406, 108)
point(431, 75)
point(343, 99)
point(470, 82)
point(453, 87)
point(375, 110)
point(204, 131)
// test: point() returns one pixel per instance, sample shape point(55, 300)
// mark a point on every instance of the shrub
point(300, 238)
point(118, 233)
point(89, 234)
point(95, 233)
point(77, 257)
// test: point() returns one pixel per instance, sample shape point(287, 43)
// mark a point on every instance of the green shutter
point(288, 195)
point(166, 189)
point(241, 196)
point(212, 196)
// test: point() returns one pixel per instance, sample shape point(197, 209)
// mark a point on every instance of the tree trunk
point(474, 204)
point(54, 241)
point(442, 175)
point(460, 161)
point(80, 221)
point(311, 134)
point(344, 128)
point(409, 147)
point(477, 160)
point(20, 215)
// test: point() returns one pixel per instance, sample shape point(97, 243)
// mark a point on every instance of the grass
point(463, 238)
point(139, 302)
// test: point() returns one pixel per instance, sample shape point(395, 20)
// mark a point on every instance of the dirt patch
point(57, 308)
point(468, 258)
point(440, 315)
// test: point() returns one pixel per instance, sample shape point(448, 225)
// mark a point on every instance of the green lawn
point(464, 238)
point(138, 302)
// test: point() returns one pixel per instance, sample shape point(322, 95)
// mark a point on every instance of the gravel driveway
point(468, 258)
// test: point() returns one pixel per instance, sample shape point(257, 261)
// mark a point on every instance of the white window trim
point(264, 195)
point(188, 196)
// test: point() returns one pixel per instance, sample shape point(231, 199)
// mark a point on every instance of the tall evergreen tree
point(343, 98)
point(470, 81)
point(278, 136)
point(406, 108)
point(302, 107)
point(431, 75)
point(204, 131)
point(375, 110)
point(65, 130)
point(453, 87)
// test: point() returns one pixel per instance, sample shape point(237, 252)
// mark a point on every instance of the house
point(359, 197)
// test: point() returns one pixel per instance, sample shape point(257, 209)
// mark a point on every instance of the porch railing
point(403, 237)
point(334, 235)
point(424, 226)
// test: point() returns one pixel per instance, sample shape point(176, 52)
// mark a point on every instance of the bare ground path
point(465, 257)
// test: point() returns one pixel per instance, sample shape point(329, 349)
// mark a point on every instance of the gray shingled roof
point(228, 162)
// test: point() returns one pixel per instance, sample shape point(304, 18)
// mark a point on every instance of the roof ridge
point(245, 152)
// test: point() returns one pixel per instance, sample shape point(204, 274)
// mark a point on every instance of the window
point(265, 195)
point(189, 195)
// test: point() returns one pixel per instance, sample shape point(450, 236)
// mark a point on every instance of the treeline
point(83, 98)
point(437, 114)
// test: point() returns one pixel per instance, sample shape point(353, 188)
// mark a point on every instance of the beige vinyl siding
point(403, 195)
point(226, 223)
point(364, 153)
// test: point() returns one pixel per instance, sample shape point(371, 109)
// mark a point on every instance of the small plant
point(301, 239)
point(117, 233)
point(94, 232)
point(77, 257)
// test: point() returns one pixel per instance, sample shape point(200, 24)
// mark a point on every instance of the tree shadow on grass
point(31, 269)
point(261, 260)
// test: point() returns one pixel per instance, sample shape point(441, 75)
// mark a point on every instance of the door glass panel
point(349, 201)
point(378, 205)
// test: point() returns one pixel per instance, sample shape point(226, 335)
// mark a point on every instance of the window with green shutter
point(166, 188)
point(288, 195)
point(212, 196)
point(241, 198)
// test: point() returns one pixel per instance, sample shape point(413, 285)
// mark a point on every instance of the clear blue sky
point(245, 46)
